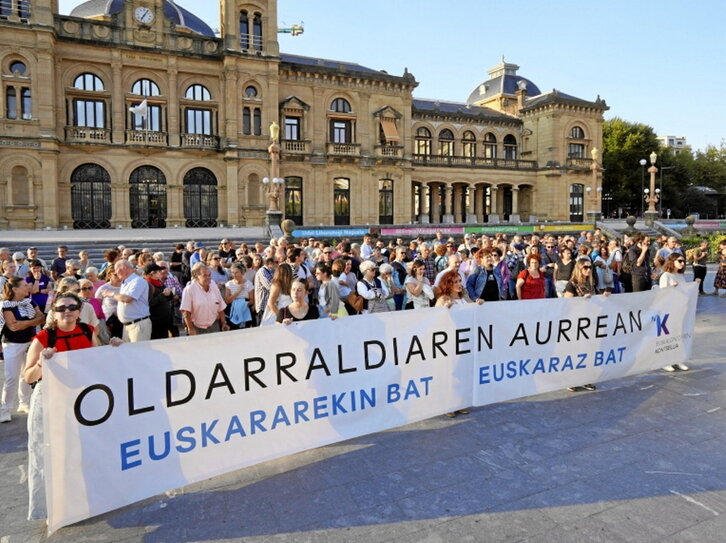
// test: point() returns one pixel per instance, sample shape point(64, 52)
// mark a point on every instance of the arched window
point(446, 143)
point(152, 119)
point(88, 82)
point(200, 198)
point(468, 143)
point(252, 114)
point(341, 201)
point(577, 193)
point(197, 92)
point(510, 147)
point(257, 32)
point(17, 68)
point(148, 198)
point(91, 197)
point(385, 201)
point(577, 133)
point(490, 146)
point(145, 87)
point(244, 29)
point(423, 141)
point(340, 105)
point(294, 199)
point(251, 92)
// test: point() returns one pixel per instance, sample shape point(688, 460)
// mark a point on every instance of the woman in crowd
point(41, 285)
point(237, 297)
point(92, 276)
point(563, 270)
point(298, 309)
point(329, 304)
point(219, 273)
point(64, 333)
point(615, 262)
point(581, 284)
point(604, 275)
point(9, 268)
point(86, 294)
point(109, 304)
point(71, 285)
point(419, 292)
point(110, 257)
point(279, 293)
point(673, 275)
point(700, 256)
point(498, 263)
point(386, 276)
point(372, 289)
point(530, 281)
point(340, 280)
point(18, 319)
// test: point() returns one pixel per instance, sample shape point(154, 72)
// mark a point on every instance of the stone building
point(134, 113)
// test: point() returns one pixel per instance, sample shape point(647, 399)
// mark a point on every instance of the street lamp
point(660, 203)
point(652, 194)
point(643, 162)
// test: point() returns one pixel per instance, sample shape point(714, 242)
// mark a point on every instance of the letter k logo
point(660, 324)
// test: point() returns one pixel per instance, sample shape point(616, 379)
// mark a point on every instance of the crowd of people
point(134, 295)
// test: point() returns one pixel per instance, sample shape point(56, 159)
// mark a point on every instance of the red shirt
point(532, 288)
point(67, 341)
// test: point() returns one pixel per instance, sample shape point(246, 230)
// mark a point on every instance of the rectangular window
point(153, 120)
point(246, 121)
point(11, 103)
point(89, 113)
point(292, 128)
point(27, 103)
point(576, 150)
point(199, 121)
point(340, 131)
point(257, 121)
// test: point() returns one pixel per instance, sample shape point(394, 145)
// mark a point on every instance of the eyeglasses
point(549, 246)
point(62, 308)
point(86, 288)
point(681, 261)
point(587, 267)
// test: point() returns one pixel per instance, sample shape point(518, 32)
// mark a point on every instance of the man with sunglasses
point(549, 259)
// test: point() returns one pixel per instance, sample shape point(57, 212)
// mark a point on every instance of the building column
point(514, 216)
point(494, 215)
point(175, 206)
point(120, 206)
point(448, 217)
point(423, 201)
point(118, 104)
point(471, 214)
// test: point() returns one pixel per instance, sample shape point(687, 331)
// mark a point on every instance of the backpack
point(53, 336)
point(441, 263)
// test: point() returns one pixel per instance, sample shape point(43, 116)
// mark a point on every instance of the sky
point(653, 62)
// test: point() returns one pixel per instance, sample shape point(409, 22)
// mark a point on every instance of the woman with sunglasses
point(581, 284)
point(64, 333)
point(18, 319)
point(673, 275)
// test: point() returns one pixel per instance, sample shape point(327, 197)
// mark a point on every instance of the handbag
point(356, 301)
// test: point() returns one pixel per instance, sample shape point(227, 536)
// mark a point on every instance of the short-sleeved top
point(67, 341)
point(20, 336)
point(312, 313)
point(580, 289)
point(533, 287)
point(40, 298)
point(203, 305)
point(138, 289)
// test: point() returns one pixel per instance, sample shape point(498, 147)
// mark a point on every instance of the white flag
point(141, 109)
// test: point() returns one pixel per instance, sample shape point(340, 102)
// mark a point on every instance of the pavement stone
point(640, 459)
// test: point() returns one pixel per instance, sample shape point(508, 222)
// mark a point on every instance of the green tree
point(624, 145)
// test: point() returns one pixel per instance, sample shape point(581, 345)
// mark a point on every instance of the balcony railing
point(579, 163)
point(474, 162)
point(199, 141)
point(393, 151)
point(344, 149)
point(87, 134)
point(145, 137)
point(297, 147)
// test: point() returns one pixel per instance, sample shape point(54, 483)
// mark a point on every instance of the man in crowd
point(202, 305)
point(263, 282)
point(58, 264)
point(639, 256)
point(133, 303)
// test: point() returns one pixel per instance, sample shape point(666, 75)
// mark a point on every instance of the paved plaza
point(640, 459)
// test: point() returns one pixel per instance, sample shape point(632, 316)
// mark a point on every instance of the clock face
point(144, 15)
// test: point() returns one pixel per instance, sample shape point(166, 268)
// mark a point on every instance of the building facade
point(134, 113)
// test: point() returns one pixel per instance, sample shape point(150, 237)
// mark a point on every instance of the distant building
point(133, 113)
point(676, 145)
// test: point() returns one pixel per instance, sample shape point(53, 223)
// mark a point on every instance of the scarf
point(25, 308)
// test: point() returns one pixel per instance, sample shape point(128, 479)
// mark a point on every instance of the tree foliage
point(691, 183)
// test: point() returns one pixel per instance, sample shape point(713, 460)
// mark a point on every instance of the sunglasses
point(587, 267)
point(681, 261)
point(62, 308)
point(86, 288)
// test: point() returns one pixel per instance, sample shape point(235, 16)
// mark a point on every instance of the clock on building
point(144, 15)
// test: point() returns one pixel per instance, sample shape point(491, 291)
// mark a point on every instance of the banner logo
point(660, 324)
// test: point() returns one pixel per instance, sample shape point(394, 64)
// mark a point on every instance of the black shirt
point(490, 292)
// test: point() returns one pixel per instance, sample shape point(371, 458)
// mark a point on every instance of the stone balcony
point(474, 162)
point(199, 141)
point(87, 134)
point(389, 151)
point(146, 137)
point(343, 149)
point(578, 163)
point(296, 147)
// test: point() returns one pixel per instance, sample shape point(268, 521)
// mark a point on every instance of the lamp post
point(593, 192)
point(652, 194)
point(643, 162)
point(273, 185)
point(660, 202)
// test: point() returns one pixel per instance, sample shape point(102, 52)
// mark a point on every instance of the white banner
point(131, 422)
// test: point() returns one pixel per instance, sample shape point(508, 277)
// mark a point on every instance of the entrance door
point(148, 198)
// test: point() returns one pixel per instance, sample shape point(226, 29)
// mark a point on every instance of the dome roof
point(503, 79)
point(176, 14)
